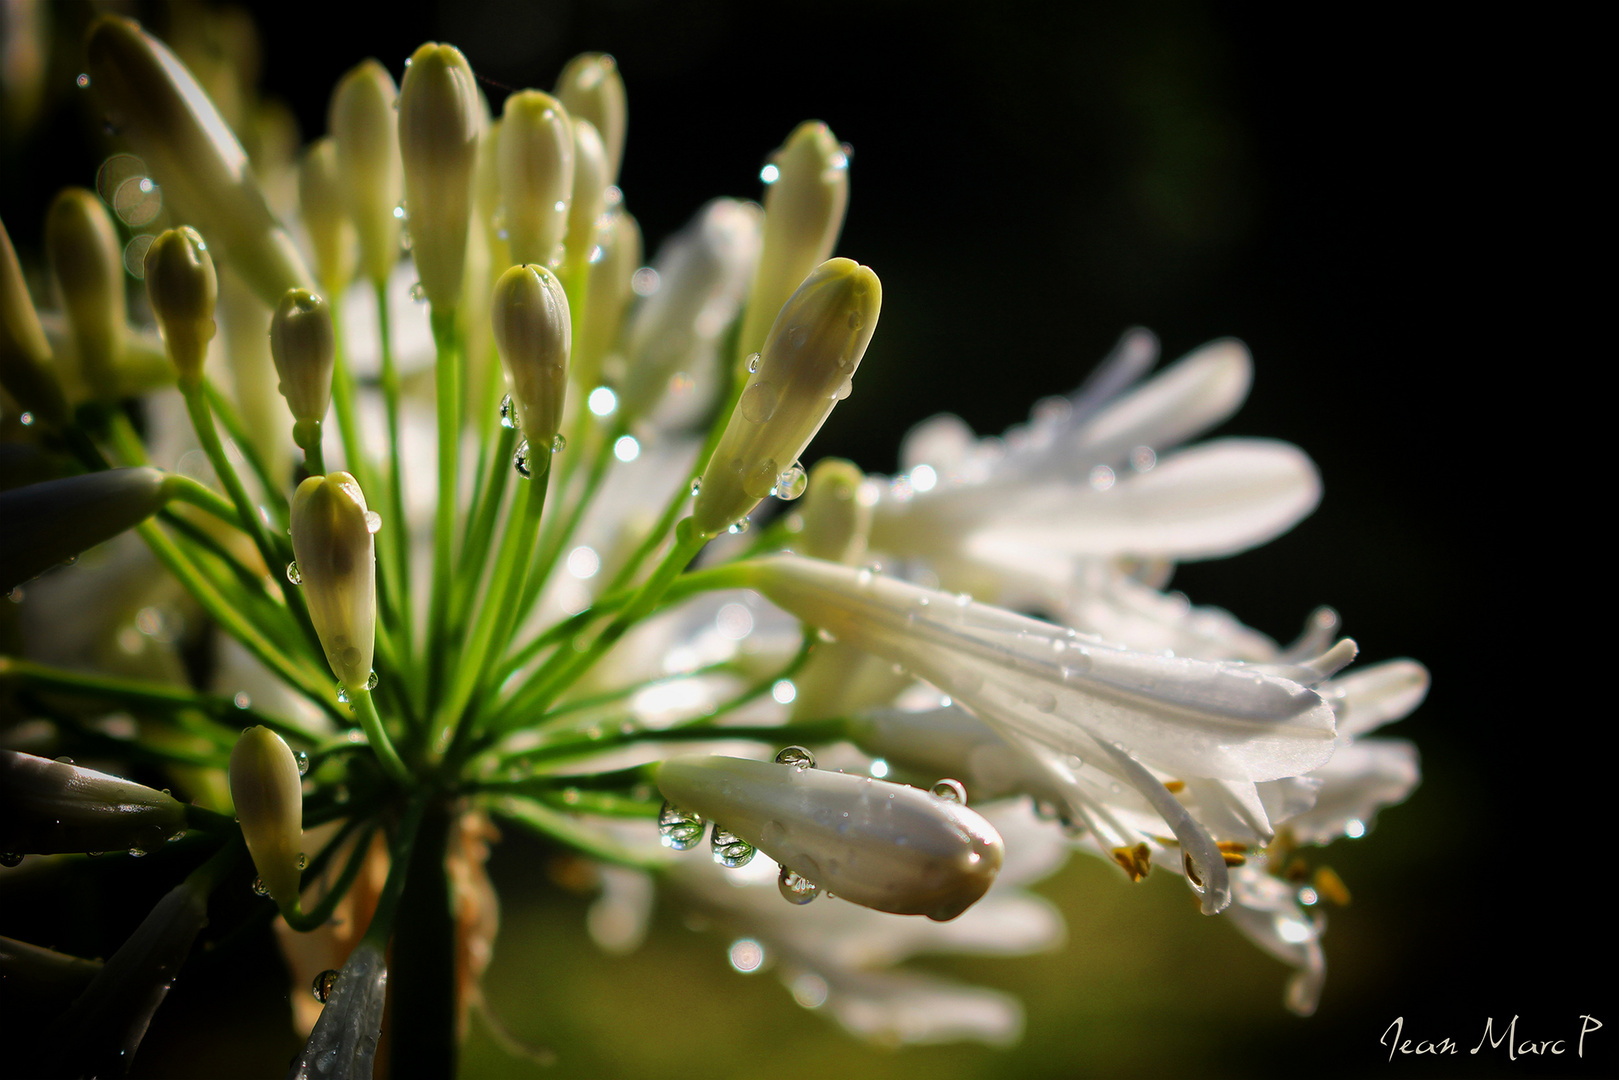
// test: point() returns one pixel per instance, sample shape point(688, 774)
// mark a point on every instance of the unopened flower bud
point(50, 807)
point(366, 130)
point(885, 846)
point(49, 522)
point(808, 362)
point(268, 793)
point(589, 199)
point(25, 355)
point(332, 541)
point(321, 200)
point(199, 165)
point(835, 518)
point(87, 261)
point(804, 208)
point(183, 288)
point(607, 296)
point(533, 336)
point(592, 89)
point(304, 347)
point(439, 121)
point(535, 165)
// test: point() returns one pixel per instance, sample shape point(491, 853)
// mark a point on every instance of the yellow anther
point(1136, 861)
point(1331, 887)
point(1174, 787)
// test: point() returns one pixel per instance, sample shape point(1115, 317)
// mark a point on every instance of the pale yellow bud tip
point(333, 543)
point(183, 288)
point(268, 792)
point(304, 347)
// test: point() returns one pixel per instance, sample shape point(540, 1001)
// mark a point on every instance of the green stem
point(316, 917)
point(366, 710)
point(557, 538)
point(205, 498)
point(396, 487)
point(274, 488)
point(491, 490)
point(448, 385)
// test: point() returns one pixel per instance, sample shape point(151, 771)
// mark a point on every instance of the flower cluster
point(562, 617)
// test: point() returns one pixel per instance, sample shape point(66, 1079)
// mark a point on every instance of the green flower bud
point(183, 288)
point(332, 542)
point(439, 121)
point(268, 793)
point(49, 522)
point(885, 846)
point(804, 208)
point(834, 518)
point(808, 362)
point(304, 347)
point(49, 807)
point(533, 336)
point(25, 355)
point(321, 200)
point(366, 131)
point(200, 166)
point(535, 165)
point(590, 180)
point(88, 263)
point(607, 296)
point(592, 89)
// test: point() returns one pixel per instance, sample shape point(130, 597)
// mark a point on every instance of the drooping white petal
point(910, 1009)
point(1267, 912)
point(1191, 395)
point(1375, 695)
point(1363, 777)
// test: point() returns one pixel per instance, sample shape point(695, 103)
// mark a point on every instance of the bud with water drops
point(805, 201)
point(534, 338)
point(809, 358)
point(535, 165)
point(834, 517)
point(53, 521)
point(592, 89)
point(333, 544)
point(365, 130)
point(881, 845)
point(25, 354)
point(183, 288)
point(440, 118)
point(88, 264)
point(589, 199)
point(51, 807)
point(197, 162)
point(304, 347)
point(320, 198)
point(268, 792)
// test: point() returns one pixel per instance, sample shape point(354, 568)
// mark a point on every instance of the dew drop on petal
point(679, 829)
point(753, 363)
point(799, 757)
point(259, 888)
point(324, 984)
point(758, 402)
point(951, 791)
point(792, 482)
point(795, 889)
point(293, 575)
point(730, 850)
point(508, 413)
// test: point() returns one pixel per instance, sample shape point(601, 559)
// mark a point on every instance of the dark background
point(1384, 206)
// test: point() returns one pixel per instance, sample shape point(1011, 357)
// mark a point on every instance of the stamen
point(1331, 886)
point(1136, 861)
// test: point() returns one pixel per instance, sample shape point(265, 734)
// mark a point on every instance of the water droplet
point(9, 858)
point(293, 575)
point(137, 852)
point(795, 889)
point(259, 888)
point(845, 388)
point(730, 850)
point(798, 757)
point(696, 485)
point(82, 81)
point(241, 700)
point(520, 460)
point(758, 402)
point(371, 680)
point(558, 444)
point(303, 861)
point(678, 829)
point(791, 483)
point(855, 319)
point(951, 791)
point(963, 599)
point(508, 413)
point(399, 212)
point(418, 293)
point(626, 448)
point(1045, 701)
point(753, 363)
point(342, 693)
point(761, 479)
point(302, 759)
point(796, 336)
point(373, 521)
point(1101, 478)
point(739, 527)
point(405, 241)
point(324, 984)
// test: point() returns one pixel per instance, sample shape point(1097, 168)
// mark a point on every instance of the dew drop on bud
point(508, 413)
point(9, 858)
point(558, 444)
point(64, 760)
point(259, 888)
point(792, 482)
point(679, 829)
point(520, 460)
point(798, 757)
point(342, 693)
point(753, 363)
point(951, 791)
point(739, 527)
point(758, 402)
point(293, 575)
point(303, 762)
point(373, 521)
point(795, 889)
point(303, 861)
point(730, 850)
point(137, 852)
point(324, 984)
point(696, 485)
point(418, 293)
point(371, 680)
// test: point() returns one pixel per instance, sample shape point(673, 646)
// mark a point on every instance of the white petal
point(1189, 396)
point(1375, 695)
point(1361, 778)
point(1268, 914)
point(911, 1009)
